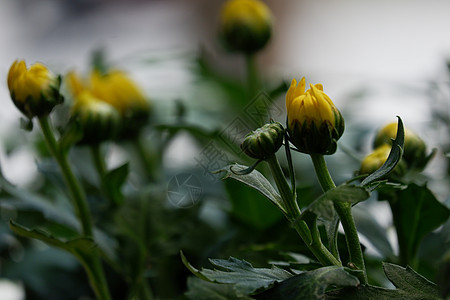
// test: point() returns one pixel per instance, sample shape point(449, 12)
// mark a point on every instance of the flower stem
point(293, 214)
point(75, 190)
point(252, 75)
point(345, 215)
point(93, 267)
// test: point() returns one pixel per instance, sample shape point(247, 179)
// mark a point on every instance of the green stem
point(293, 213)
point(75, 190)
point(345, 215)
point(94, 267)
point(252, 75)
point(99, 162)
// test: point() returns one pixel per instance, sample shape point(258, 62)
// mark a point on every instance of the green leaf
point(241, 274)
point(416, 213)
point(114, 181)
point(409, 286)
point(26, 200)
point(410, 281)
point(394, 157)
point(250, 207)
point(256, 181)
point(370, 228)
point(310, 285)
point(323, 207)
point(79, 247)
point(202, 290)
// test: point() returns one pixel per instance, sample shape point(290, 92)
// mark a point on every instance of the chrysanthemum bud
point(377, 158)
point(414, 152)
point(35, 91)
point(314, 123)
point(99, 120)
point(264, 141)
point(117, 89)
point(245, 25)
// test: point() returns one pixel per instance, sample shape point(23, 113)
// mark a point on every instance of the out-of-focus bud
point(264, 141)
point(314, 123)
point(414, 152)
point(245, 25)
point(99, 120)
point(377, 158)
point(35, 91)
point(117, 89)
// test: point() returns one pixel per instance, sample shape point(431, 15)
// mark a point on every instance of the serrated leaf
point(241, 274)
point(394, 157)
point(309, 285)
point(255, 180)
point(409, 286)
point(416, 213)
point(410, 281)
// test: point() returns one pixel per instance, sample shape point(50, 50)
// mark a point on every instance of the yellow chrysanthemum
point(35, 91)
point(314, 123)
point(245, 25)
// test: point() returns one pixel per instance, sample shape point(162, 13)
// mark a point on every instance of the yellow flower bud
point(245, 25)
point(35, 91)
point(314, 124)
point(264, 141)
point(118, 90)
point(100, 121)
point(377, 158)
point(414, 152)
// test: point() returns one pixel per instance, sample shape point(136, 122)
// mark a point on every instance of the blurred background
point(376, 59)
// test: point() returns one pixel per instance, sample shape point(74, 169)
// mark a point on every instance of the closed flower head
point(99, 120)
point(377, 158)
point(117, 90)
point(414, 152)
point(35, 91)
point(264, 141)
point(314, 123)
point(245, 25)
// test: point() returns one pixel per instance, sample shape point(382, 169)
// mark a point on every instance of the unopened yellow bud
point(116, 89)
point(377, 158)
point(414, 151)
point(35, 91)
point(99, 120)
point(314, 123)
point(245, 25)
